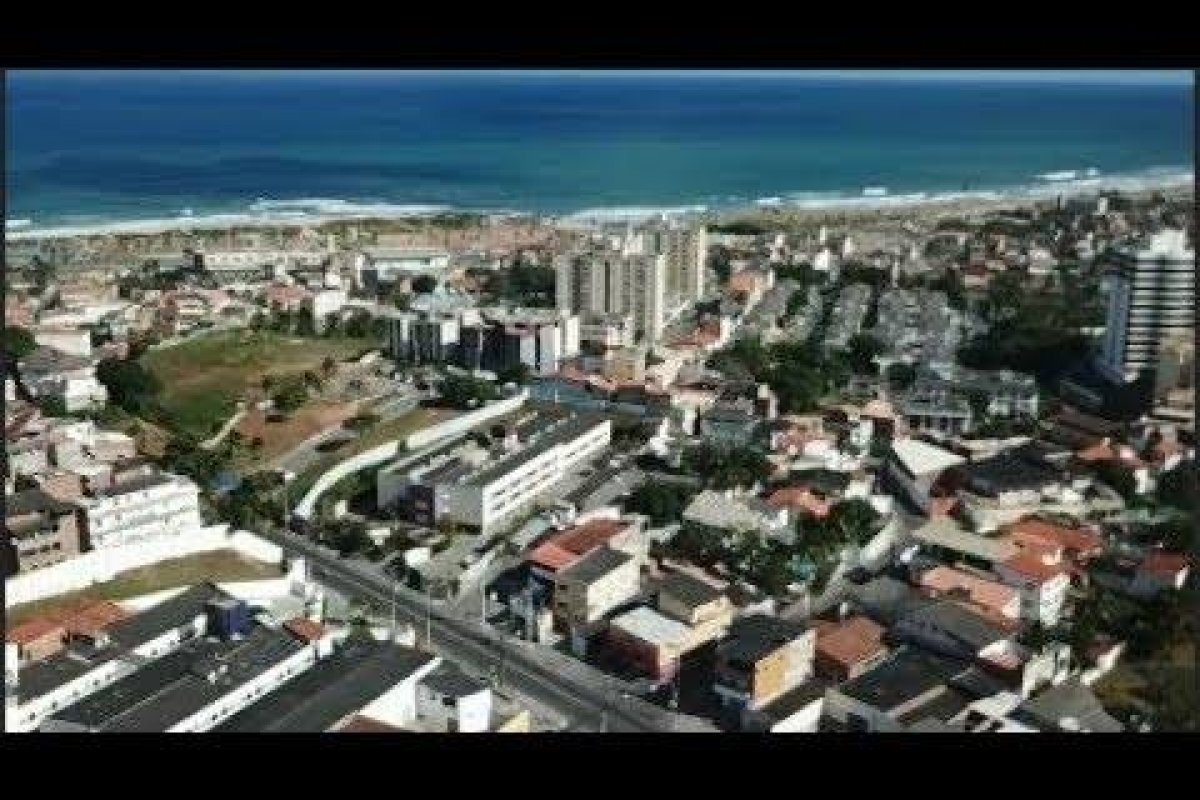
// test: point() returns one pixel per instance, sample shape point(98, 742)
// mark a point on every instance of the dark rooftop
point(33, 501)
point(171, 613)
point(1010, 471)
point(1072, 703)
point(135, 483)
point(906, 674)
point(169, 690)
point(332, 689)
point(958, 622)
point(802, 696)
point(886, 599)
point(450, 681)
point(127, 634)
point(596, 564)
point(942, 707)
point(755, 636)
point(690, 591)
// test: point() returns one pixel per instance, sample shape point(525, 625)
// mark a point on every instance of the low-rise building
point(848, 648)
point(450, 701)
point(730, 513)
point(908, 687)
point(591, 587)
point(991, 597)
point(362, 679)
point(143, 506)
point(916, 467)
point(650, 641)
point(762, 658)
point(42, 529)
point(1160, 571)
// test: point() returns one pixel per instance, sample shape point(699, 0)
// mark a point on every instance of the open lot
point(280, 437)
point(203, 379)
point(218, 565)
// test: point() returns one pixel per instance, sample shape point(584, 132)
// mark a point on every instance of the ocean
point(93, 150)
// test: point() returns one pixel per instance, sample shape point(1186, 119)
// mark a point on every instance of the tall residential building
point(606, 282)
point(1153, 299)
point(491, 339)
point(686, 251)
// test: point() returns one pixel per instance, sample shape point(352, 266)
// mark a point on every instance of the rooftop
point(449, 680)
point(565, 548)
point(1070, 706)
point(136, 483)
point(949, 535)
point(34, 501)
point(596, 564)
point(127, 634)
point(851, 641)
point(336, 686)
point(795, 700)
point(688, 590)
point(556, 434)
point(1037, 531)
point(906, 674)
point(921, 458)
point(992, 595)
point(165, 692)
point(753, 637)
point(958, 622)
point(650, 626)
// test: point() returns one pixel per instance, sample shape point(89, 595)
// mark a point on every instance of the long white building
point(140, 508)
point(1153, 299)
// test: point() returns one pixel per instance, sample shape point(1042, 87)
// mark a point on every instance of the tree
point(518, 373)
point(725, 467)
point(328, 366)
point(346, 536)
point(662, 502)
point(18, 342)
point(466, 392)
point(1119, 477)
point(305, 323)
point(424, 284)
point(357, 325)
point(292, 392)
point(130, 386)
point(900, 375)
point(1178, 487)
point(861, 351)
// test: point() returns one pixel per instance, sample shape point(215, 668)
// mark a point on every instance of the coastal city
point(919, 466)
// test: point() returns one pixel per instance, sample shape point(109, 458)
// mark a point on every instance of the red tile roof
point(304, 628)
point(1031, 564)
point(95, 617)
point(851, 641)
point(984, 593)
point(565, 548)
point(33, 630)
point(1033, 532)
point(361, 724)
point(799, 498)
point(1160, 563)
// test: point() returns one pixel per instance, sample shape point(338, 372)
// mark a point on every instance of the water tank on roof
point(228, 618)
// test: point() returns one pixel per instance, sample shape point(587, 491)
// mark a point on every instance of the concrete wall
point(465, 422)
point(386, 452)
point(99, 566)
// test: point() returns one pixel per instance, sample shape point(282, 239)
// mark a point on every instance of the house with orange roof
point(990, 596)
point(37, 639)
point(561, 550)
point(1077, 543)
point(1042, 577)
point(1106, 452)
point(849, 647)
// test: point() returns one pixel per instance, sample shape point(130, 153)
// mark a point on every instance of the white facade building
point(1153, 299)
point(612, 283)
point(140, 508)
point(488, 498)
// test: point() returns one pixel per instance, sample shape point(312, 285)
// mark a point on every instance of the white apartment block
point(1153, 299)
point(488, 498)
point(140, 508)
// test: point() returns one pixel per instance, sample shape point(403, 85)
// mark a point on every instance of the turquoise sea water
point(88, 149)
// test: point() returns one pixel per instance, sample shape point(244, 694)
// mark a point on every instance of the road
point(585, 698)
point(226, 429)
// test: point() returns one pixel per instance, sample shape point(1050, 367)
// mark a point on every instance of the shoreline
point(872, 203)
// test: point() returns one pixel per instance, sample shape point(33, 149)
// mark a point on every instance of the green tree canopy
point(18, 342)
point(130, 386)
